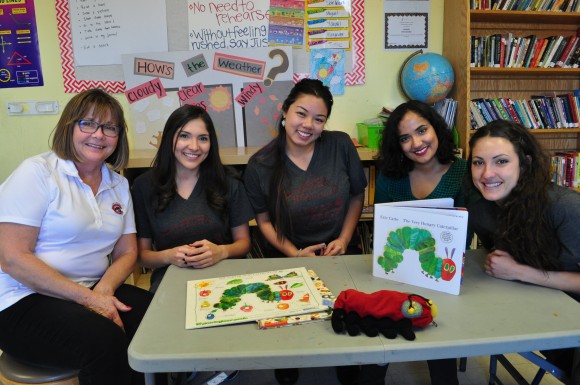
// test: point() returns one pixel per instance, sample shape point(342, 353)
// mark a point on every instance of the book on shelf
point(539, 52)
point(523, 51)
point(569, 107)
point(550, 50)
point(420, 243)
point(474, 44)
point(485, 110)
point(566, 169)
point(497, 111)
point(546, 106)
point(529, 115)
point(476, 116)
point(526, 5)
point(574, 107)
point(550, 44)
point(514, 52)
point(532, 47)
point(499, 107)
point(537, 115)
point(542, 109)
point(252, 297)
point(561, 61)
point(492, 51)
point(502, 44)
point(574, 60)
point(521, 113)
point(558, 51)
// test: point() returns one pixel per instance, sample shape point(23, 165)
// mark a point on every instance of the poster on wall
point(406, 24)
point(242, 90)
point(19, 50)
point(102, 30)
point(228, 24)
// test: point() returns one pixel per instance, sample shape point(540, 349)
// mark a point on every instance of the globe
point(427, 77)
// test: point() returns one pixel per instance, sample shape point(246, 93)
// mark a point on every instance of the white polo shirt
point(77, 230)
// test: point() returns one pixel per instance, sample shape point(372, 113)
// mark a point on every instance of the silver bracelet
point(298, 253)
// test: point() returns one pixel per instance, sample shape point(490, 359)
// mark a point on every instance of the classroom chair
point(544, 366)
point(14, 372)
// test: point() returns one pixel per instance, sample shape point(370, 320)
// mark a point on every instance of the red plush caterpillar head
point(388, 304)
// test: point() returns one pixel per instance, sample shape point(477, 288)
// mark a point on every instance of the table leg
point(149, 378)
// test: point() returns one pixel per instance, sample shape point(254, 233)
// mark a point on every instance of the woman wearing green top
point(417, 161)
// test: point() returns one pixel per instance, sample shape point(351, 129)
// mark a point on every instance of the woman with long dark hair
point(529, 225)
point(190, 210)
point(417, 160)
point(307, 184)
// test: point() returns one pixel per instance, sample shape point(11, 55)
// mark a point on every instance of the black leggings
point(442, 372)
point(55, 332)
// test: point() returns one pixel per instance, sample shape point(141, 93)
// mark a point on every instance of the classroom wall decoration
point(242, 90)
point(111, 77)
point(71, 84)
point(19, 51)
point(228, 24)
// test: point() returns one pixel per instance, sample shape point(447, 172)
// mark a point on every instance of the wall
point(29, 135)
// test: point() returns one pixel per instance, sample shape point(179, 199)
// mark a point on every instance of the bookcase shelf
point(530, 72)
point(524, 17)
point(460, 23)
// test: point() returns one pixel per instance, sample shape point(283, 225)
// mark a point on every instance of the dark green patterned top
point(450, 186)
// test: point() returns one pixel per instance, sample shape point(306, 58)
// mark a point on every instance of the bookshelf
point(460, 22)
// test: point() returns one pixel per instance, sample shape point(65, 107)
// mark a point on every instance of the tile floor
point(406, 373)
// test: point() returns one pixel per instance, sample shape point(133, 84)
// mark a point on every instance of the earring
point(283, 123)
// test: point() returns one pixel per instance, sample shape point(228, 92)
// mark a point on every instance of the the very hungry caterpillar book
point(421, 243)
point(251, 297)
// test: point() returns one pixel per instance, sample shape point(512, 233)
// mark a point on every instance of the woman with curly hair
point(417, 158)
point(190, 210)
point(530, 225)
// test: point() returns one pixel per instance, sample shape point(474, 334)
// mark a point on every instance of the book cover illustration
point(421, 246)
point(251, 297)
point(327, 298)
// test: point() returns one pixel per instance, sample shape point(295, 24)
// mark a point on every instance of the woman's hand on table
point(501, 264)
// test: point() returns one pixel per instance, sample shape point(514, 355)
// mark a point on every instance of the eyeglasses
point(90, 127)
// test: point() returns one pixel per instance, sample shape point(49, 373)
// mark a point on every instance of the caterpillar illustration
point(233, 295)
point(420, 240)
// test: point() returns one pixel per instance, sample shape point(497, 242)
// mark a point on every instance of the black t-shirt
point(185, 221)
point(318, 198)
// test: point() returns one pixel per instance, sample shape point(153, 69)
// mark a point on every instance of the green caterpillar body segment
point(233, 295)
point(411, 238)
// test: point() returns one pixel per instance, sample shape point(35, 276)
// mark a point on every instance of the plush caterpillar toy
point(387, 312)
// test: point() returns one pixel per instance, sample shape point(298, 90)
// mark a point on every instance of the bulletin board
point(110, 77)
point(241, 89)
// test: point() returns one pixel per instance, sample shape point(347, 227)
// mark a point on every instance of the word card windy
point(420, 243)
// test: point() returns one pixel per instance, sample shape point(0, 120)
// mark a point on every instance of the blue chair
point(544, 367)
point(15, 372)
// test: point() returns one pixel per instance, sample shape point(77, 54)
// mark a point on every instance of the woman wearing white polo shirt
point(67, 244)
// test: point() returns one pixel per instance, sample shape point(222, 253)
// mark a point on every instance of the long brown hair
point(523, 223)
